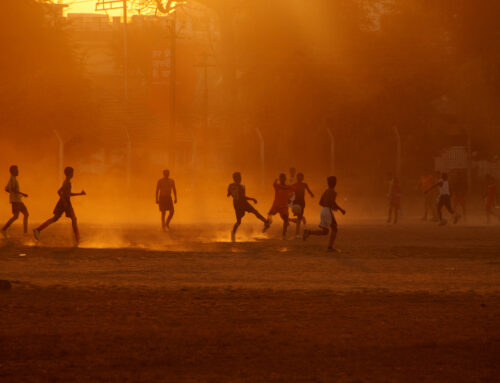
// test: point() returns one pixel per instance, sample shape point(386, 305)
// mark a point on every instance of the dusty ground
point(413, 303)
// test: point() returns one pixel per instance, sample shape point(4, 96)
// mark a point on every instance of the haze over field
point(295, 75)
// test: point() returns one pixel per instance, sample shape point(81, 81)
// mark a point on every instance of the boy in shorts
point(328, 222)
point(15, 196)
point(394, 201)
point(63, 206)
point(164, 189)
point(282, 194)
point(299, 203)
point(241, 204)
point(491, 199)
point(444, 199)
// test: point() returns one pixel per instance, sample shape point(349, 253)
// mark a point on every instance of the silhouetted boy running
point(444, 199)
point(15, 196)
point(63, 206)
point(491, 199)
point(164, 189)
point(241, 204)
point(282, 193)
point(328, 222)
point(299, 203)
point(394, 201)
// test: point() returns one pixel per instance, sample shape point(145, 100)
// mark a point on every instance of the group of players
point(439, 194)
point(289, 194)
point(63, 205)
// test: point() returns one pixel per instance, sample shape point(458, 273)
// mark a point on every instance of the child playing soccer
point(241, 204)
point(328, 222)
point(491, 199)
point(426, 182)
point(394, 201)
point(282, 194)
point(163, 194)
point(444, 199)
point(63, 206)
point(299, 203)
point(15, 196)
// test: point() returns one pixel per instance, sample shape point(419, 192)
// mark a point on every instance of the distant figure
point(459, 194)
point(282, 194)
point(491, 199)
point(444, 199)
point(15, 196)
point(299, 203)
point(394, 201)
point(241, 204)
point(328, 202)
point(63, 206)
point(164, 189)
point(426, 183)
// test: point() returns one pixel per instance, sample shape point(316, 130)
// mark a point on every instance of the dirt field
point(412, 303)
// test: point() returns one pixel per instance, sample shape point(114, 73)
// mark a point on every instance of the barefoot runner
point(328, 222)
point(164, 189)
point(299, 203)
point(15, 196)
point(63, 206)
point(241, 204)
point(282, 194)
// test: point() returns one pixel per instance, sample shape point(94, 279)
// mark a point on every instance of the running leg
point(163, 220)
point(170, 215)
point(25, 221)
point(75, 229)
point(235, 227)
point(333, 236)
point(10, 222)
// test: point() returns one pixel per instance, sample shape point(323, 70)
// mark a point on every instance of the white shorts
point(297, 210)
point(326, 217)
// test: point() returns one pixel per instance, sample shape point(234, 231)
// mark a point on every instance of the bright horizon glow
point(88, 6)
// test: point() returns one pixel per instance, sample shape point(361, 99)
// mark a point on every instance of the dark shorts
point(240, 210)
point(19, 207)
point(64, 207)
point(281, 210)
point(166, 203)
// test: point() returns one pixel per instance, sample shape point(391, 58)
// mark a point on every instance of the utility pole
point(125, 52)
point(107, 5)
point(205, 65)
point(173, 46)
point(332, 150)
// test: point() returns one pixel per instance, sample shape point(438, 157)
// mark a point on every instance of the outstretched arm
point(337, 207)
point(77, 194)
point(434, 186)
point(309, 191)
